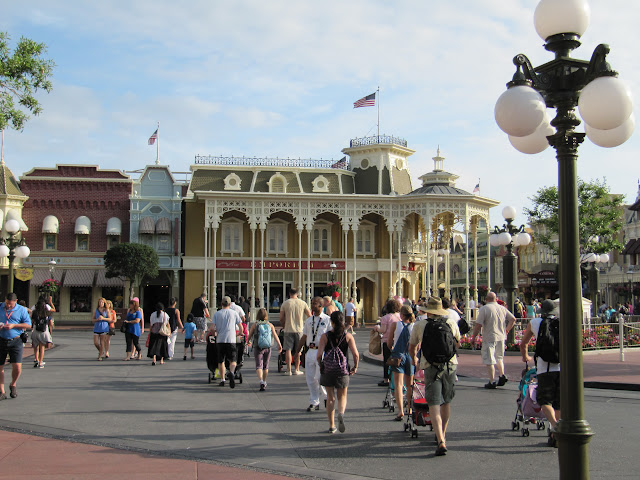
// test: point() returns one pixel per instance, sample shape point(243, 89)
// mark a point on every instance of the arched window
point(321, 237)
point(277, 183)
point(232, 240)
point(365, 244)
point(277, 236)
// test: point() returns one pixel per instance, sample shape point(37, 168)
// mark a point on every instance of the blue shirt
point(102, 326)
point(189, 327)
point(17, 315)
point(134, 328)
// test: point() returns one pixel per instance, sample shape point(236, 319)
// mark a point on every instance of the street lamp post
point(13, 247)
point(605, 105)
point(510, 236)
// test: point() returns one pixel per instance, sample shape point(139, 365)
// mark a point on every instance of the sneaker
point(502, 380)
point(41, 365)
point(288, 372)
point(184, 358)
point(310, 408)
point(491, 385)
point(14, 392)
point(341, 426)
point(332, 430)
point(3, 396)
point(262, 387)
point(383, 384)
point(35, 364)
point(221, 383)
point(441, 450)
point(232, 381)
point(298, 372)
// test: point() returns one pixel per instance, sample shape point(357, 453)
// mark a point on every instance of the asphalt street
point(172, 410)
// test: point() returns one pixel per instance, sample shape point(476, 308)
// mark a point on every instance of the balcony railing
point(378, 139)
point(270, 162)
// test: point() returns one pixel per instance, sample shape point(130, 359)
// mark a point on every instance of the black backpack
point(40, 324)
point(438, 342)
point(548, 340)
point(463, 325)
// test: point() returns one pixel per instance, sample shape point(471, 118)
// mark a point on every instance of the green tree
point(599, 211)
point(22, 73)
point(131, 261)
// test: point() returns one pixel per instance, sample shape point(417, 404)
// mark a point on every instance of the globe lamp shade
point(536, 142)
point(605, 103)
point(615, 136)
point(604, 258)
point(11, 226)
point(4, 251)
point(22, 251)
point(519, 111)
point(515, 239)
point(524, 239)
point(509, 212)
point(494, 240)
point(505, 238)
point(589, 258)
point(561, 16)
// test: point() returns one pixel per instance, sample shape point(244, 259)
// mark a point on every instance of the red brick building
point(75, 213)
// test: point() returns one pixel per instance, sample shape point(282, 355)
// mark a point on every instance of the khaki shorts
point(492, 352)
point(349, 321)
point(291, 341)
point(439, 384)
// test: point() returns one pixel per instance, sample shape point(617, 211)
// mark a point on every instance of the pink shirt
point(385, 324)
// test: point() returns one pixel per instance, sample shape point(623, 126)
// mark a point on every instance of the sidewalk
point(602, 369)
point(60, 460)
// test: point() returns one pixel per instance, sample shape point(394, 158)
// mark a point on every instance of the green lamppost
point(13, 246)
point(605, 105)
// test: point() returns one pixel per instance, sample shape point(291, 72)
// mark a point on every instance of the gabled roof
point(8, 183)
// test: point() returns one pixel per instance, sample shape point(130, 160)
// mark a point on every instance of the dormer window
point(321, 184)
point(232, 182)
point(277, 183)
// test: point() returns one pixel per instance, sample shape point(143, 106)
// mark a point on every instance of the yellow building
point(256, 226)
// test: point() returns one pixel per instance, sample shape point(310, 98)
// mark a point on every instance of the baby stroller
point(528, 411)
point(389, 398)
point(240, 342)
point(419, 409)
point(212, 355)
point(282, 357)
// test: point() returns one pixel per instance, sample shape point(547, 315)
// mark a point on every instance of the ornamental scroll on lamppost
point(604, 103)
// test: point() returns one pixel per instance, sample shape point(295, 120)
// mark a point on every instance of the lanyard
point(313, 326)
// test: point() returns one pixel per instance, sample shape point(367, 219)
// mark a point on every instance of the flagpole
point(158, 146)
point(378, 113)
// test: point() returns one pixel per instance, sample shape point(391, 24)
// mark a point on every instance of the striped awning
point(39, 276)
point(79, 278)
point(163, 226)
point(103, 281)
point(146, 226)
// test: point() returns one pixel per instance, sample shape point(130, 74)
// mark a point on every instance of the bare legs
point(398, 380)
point(491, 369)
point(440, 419)
point(16, 370)
point(288, 358)
point(100, 342)
point(551, 414)
point(331, 404)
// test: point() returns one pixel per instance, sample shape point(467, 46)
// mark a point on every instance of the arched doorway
point(368, 311)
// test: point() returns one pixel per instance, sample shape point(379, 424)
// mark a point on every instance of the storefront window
point(80, 299)
point(115, 294)
point(50, 241)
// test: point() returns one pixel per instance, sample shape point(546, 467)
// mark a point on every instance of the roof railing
point(271, 162)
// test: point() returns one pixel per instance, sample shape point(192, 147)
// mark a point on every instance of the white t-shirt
point(316, 324)
point(453, 315)
point(158, 319)
point(541, 365)
point(238, 309)
point(350, 309)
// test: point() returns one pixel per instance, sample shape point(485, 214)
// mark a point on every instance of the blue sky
point(278, 79)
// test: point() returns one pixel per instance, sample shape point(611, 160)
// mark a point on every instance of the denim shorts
point(405, 367)
point(13, 347)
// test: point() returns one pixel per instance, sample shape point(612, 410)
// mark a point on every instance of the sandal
point(441, 450)
point(399, 418)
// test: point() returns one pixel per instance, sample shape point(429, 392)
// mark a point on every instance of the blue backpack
point(264, 336)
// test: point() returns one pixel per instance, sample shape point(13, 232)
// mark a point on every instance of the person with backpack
point(546, 330)
point(495, 322)
point(334, 368)
point(438, 338)
point(314, 327)
point(399, 360)
point(41, 321)
point(263, 333)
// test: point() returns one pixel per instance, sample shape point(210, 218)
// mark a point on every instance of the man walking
point(292, 314)
point(548, 372)
point(438, 337)
point(350, 314)
point(200, 312)
point(14, 319)
point(225, 322)
point(495, 321)
point(314, 327)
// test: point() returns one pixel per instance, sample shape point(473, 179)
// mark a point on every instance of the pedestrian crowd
point(415, 336)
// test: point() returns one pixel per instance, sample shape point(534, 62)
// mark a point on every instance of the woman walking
point(175, 323)
point(112, 326)
point(133, 321)
point(101, 327)
point(158, 346)
point(334, 368)
point(391, 309)
point(41, 321)
point(398, 343)
point(263, 333)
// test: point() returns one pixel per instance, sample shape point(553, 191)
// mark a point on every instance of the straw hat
point(434, 306)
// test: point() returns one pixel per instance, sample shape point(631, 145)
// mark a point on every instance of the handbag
point(394, 361)
point(165, 330)
point(123, 327)
point(24, 336)
point(112, 331)
point(375, 343)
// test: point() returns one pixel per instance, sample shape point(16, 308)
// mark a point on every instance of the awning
point(79, 278)
point(114, 226)
point(50, 224)
point(39, 276)
point(146, 226)
point(103, 281)
point(163, 226)
point(13, 214)
point(632, 247)
point(83, 226)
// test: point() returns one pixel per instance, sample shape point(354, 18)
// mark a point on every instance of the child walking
point(188, 329)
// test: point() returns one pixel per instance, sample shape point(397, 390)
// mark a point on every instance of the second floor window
point(364, 240)
point(82, 243)
point(50, 241)
point(277, 237)
point(321, 238)
point(232, 237)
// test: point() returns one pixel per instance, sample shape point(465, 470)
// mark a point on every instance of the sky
point(278, 79)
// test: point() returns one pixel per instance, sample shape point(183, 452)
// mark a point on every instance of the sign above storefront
point(65, 261)
point(278, 264)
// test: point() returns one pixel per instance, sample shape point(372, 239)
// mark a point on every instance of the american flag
point(368, 101)
point(153, 138)
point(342, 163)
point(477, 189)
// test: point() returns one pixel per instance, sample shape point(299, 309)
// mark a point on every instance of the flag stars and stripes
point(368, 101)
point(153, 138)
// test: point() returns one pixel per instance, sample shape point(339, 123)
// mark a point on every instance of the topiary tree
point(131, 261)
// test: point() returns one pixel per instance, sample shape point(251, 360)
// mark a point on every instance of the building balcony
point(378, 140)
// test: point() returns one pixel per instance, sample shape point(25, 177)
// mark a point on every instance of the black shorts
point(548, 391)
point(188, 342)
point(333, 380)
point(13, 347)
point(227, 351)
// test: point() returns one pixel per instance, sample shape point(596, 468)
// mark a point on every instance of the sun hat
point(434, 307)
